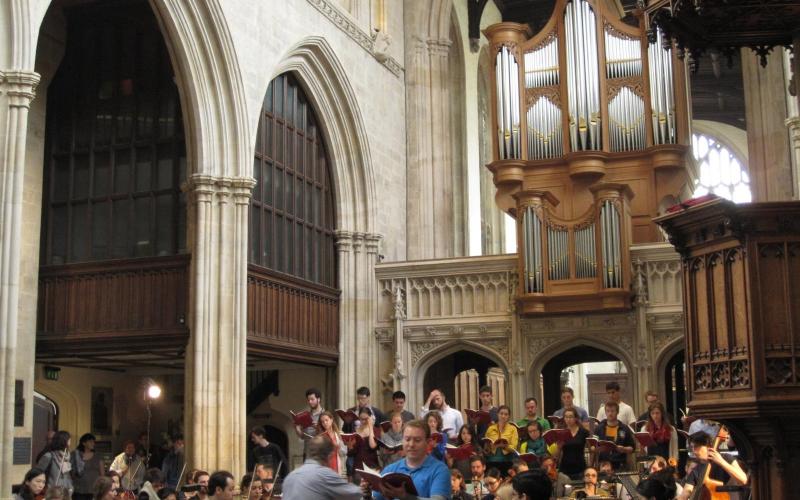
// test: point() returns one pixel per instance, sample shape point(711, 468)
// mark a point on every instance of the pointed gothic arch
point(423, 364)
point(316, 66)
point(558, 347)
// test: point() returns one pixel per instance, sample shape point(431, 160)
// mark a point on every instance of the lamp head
point(153, 390)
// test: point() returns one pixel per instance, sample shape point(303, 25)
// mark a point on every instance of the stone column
point(217, 349)
point(644, 358)
point(358, 356)
point(431, 220)
point(17, 90)
point(347, 338)
point(793, 112)
point(767, 140)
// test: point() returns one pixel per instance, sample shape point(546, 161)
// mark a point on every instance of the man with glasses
point(590, 487)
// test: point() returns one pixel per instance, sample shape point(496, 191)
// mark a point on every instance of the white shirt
point(451, 420)
point(626, 415)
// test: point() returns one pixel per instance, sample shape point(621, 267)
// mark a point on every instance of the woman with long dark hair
point(32, 485)
point(664, 434)
point(57, 462)
point(84, 456)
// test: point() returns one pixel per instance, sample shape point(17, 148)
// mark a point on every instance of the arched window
point(291, 212)
point(719, 171)
point(115, 154)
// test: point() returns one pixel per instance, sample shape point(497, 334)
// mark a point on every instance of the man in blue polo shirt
point(430, 476)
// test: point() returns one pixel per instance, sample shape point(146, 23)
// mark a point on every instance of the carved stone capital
point(19, 86)
point(344, 240)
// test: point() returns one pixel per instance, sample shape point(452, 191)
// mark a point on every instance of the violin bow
point(61, 466)
point(132, 477)
point(252, 479)
point(274, 480)
point(178, 485)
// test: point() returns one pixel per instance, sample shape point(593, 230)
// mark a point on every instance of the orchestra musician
point(590, 486)
point(130, 467)
point(721, 470)
point(32, 486)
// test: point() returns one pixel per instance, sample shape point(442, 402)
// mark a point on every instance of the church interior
point(237, 201)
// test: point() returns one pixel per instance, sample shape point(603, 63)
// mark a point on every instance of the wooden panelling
point(290, 317)
point(720, 300)
point(116, 301)
point(699, 292)
point(772, 297)
point(736, 271)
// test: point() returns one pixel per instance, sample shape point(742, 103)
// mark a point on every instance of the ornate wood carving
point(741, 274)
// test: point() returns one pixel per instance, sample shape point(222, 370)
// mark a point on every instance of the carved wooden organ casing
point(590, 138)
point(741, 292)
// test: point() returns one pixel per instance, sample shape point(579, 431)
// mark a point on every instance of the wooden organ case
point(590, 137)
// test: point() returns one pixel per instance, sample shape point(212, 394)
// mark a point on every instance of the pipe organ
point(601, 145)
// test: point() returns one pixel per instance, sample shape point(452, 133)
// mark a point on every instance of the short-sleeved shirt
point(698, 473)
point(583, 415)
point(431, 478)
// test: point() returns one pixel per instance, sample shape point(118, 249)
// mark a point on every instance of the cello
point(707, 490)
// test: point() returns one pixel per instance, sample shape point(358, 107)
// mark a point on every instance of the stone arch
point(70, 416)
point(666, 353)
point(560, 346)
point(441, 351)
point(318, 69)
point(207, 73)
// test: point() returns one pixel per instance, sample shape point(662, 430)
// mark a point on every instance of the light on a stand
point(153, 391)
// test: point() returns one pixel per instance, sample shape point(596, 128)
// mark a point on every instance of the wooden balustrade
point(291, 318)
point(122, 304)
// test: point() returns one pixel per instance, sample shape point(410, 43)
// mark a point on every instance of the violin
point(707, 490)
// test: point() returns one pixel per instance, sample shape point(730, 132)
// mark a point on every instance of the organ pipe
point(508, 106)
point(662, 100)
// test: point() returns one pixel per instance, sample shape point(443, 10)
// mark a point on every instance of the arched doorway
point(45, 420)
point(461, 374)
point(675, 385)
point(586, 369)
